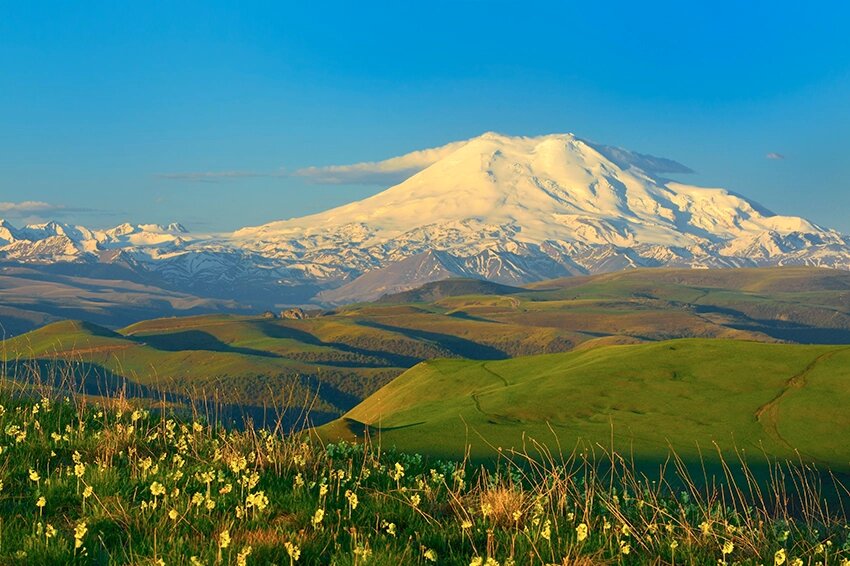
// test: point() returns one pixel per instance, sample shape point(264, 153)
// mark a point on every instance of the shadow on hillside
point(790, 331)
point(94, 380)
point(466, 316)
point(286, 332)
point(800, 333)
point(196, 340)
point(459, 346)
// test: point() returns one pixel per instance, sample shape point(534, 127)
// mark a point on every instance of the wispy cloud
point(217, 176)
point(775, 156)
point(38, 208)
point(388, 171)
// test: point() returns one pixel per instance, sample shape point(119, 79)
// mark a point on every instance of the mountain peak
point(511, 209)
point(555, 187)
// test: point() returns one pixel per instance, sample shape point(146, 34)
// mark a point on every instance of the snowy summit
point(510, 209)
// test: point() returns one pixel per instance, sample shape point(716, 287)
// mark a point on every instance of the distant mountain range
point(512, 210)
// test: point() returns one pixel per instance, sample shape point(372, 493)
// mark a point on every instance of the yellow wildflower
point(242, 557)
point(317, 517)
point(581, 532)
point(292, 550)
point(80, 531)
point(224, 539)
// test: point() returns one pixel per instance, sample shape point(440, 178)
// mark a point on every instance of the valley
point(321, 367)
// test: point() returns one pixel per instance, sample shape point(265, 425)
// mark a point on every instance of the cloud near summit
point(388, 171)
point(37, 207)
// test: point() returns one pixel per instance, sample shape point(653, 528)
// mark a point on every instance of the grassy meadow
point(695, 396)
point(648, 417)
point(104, 481)
point(328, 363)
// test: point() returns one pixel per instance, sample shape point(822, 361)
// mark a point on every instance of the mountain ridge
point(508, 209)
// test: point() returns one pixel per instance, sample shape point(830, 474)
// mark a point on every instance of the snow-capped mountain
point(510, 209)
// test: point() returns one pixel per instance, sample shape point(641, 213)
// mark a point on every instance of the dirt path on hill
point(768, 414)
point(493, 417)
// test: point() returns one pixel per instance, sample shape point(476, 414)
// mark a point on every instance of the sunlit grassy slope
point(685, 394)
point(97, 481)
point(343, 356)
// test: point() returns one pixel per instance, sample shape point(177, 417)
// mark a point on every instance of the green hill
point(332, 361)
point(685, 394)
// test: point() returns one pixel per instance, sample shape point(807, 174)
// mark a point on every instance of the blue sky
point(197, 112)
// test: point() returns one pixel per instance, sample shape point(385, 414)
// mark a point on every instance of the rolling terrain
point(111, 295)
point(690, 395)
point(331, 361)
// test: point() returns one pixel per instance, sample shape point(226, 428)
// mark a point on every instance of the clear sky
point(200, 112)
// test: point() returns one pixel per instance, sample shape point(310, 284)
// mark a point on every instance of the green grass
point(103, 481)
point(686, 394)
point(332, 362)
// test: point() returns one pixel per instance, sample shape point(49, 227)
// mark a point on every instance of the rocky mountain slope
point(508, 209)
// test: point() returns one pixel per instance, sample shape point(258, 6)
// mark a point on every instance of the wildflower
point(625, 530)
point(363, 551)
point(705, 527)
point(293, 551)
point(198, 427)
point(728, 547)
point(486, 509)
point(415, 500)
point(80, 531)
point(242, 557)
point(224, 539)
point(323, 489)
point(674, 544)
point(195, 561)
point(625, 548)
point(391, 529)
point(398, 473)
point(41, 502)
point(257, 500)
point(352, 499)
point(546, 533)
point(581, 532)
point(317, 518)
point(476, 561)
point(209, 504)
point(173, 514)
point(797, 562)
point(87, 492)
point(49, 531)
point(779, 557)
point(157, 489)
point(430, 554)
point(34, 475)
